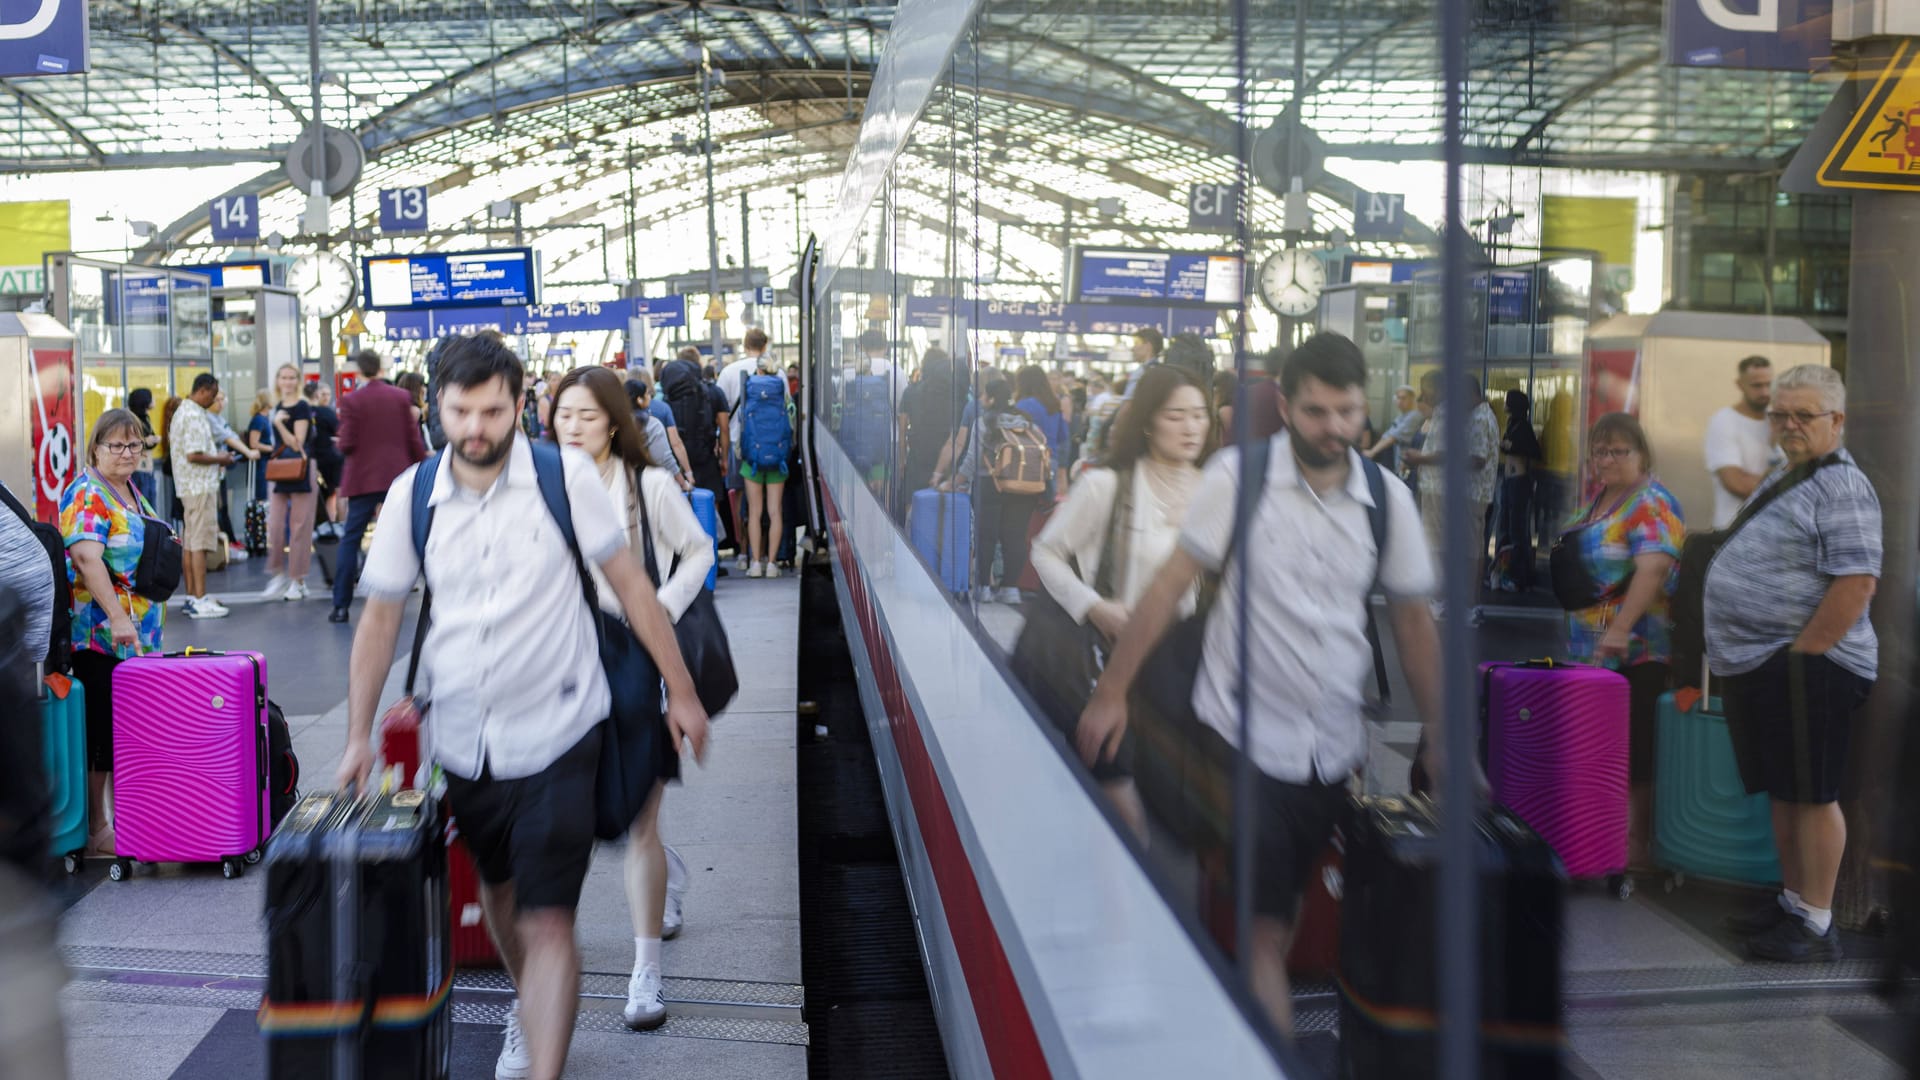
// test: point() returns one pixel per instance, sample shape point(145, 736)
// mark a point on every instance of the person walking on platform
point(378, 439)
point(509, 667)
point(1310, 564)
point(224, 435)
point(326, 456)
point(663, 445)
point(1100, 550)
point(590, 415)
point(702, 432)
point(1740, 450)
point(1788, 632)
point(1628, 541)
point(1483, 468)
point(105, 521)
point(732, 383)
point(290, 508)
point(199, 472)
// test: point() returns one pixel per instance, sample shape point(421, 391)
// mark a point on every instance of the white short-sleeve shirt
point(510, 672)
point(1310, 565)
point(1742, 441)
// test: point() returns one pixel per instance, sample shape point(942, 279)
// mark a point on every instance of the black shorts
point(535, 831)
point(94, 670)
point(1791, 720)
point(1293, 824)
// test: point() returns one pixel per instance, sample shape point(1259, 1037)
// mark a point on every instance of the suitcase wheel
point(72, 862)
point(1621, 885)
point(231, 868)
point(252, 857)
point(120, 870)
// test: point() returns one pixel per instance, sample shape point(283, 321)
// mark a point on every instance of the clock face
point(324, 282)
point(1291, 280)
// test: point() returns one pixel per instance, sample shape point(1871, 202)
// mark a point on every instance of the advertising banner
point(55, 437)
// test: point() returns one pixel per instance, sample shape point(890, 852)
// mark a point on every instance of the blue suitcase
point(1704, 822)
point(65, 732)
point(942, 531)
point(703, 509)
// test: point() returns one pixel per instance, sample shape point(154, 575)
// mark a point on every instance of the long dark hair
point(1032, 383)
point(139, 403)
point(610, 395)
point(1130, 440)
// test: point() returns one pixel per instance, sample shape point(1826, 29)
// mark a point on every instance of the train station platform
point(169, 965)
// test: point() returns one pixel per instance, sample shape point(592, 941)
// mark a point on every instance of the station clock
point(1291, 280)
point(325, 283)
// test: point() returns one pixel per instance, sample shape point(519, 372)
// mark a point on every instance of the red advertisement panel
point(55, 453)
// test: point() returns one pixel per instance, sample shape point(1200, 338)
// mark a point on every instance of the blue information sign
point(1166, 277)
point(234, 218)
point(403, 209)
point(1051, 318)
point(409, 325)
point(424, 323)
point(661, 312)
point(451, 279)
point(1379, 215)
point(253, 272)
point(1213, 206)
point(1774, 35)
point(51, 41)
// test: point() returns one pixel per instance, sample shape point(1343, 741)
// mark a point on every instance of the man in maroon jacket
point(380, 436)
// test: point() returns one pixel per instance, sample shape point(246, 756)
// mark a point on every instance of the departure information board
point(1192, 278)
point(232, 274)
point(441, 279)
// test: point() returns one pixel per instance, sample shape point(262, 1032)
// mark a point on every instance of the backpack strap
point(550, 472)
point(421, 523)
point(1377, 521)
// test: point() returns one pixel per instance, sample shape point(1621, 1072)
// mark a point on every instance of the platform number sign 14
point(234, 218)
point(403, 209)
point(1379, 215)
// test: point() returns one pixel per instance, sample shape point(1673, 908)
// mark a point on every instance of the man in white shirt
point(1483, 469)
point(1312, 561)
point(1740, 450)
point(199, 466)
point(510, 679)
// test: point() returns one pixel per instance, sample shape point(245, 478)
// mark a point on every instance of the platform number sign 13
point(1213, 206)
point(403, 209)
point(1379, 216)
point(234, 218)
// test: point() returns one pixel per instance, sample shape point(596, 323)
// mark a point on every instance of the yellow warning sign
point(1880, 150)
point(355, 324)
point(716, 311)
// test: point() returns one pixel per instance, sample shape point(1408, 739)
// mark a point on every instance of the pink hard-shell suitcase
point(190, 769)
point(1557, 757)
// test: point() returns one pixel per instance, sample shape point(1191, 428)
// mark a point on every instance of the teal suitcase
point(65, 736)
point(1704, 822)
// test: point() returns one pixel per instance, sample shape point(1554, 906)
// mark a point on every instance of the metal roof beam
point(253, 73)
point(1581, 94)
point(95, 155)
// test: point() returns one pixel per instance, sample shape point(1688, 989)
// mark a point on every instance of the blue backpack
point(866, 424)
point(766, 436)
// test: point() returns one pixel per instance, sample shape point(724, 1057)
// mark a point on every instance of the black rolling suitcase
point(1389, 955)
point(359, 967)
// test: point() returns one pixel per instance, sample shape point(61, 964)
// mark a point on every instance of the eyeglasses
point(1612, 453)
point(1800, 419)
point(122, 448)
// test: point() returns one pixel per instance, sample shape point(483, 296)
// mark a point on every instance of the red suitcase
point(1557, 757)
point(400, 757)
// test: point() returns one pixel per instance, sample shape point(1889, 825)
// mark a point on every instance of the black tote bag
point(702, 636)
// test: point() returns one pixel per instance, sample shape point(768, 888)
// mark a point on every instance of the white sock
point(1818, 918)
point(1790, 900)
point(646, 950)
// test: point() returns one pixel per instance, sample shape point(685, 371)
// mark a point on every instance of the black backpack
point(60, 648)
point(686, 394)
point(283, 768)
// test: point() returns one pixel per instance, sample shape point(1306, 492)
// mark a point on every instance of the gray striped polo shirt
point(1766, 582)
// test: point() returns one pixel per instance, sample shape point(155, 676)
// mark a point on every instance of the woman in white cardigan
point(590, 412)
point(1129, 510)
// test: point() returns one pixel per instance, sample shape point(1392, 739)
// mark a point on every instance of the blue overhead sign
point(51, 41)
point(239, 274)
point(425, 324)
point(234, 218)
point(1162, 277)
point(403, 210)
point(1379, 215)
point(1051, 318)
point(450, 279)
point(1769, 35)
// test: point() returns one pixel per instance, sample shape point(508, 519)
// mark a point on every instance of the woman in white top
point(591, 413)
point(1129, 510)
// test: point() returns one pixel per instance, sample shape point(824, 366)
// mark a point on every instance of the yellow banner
point(29, 230)
point(1587, 223)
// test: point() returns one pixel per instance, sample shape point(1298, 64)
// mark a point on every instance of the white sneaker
point(757, 570)
point(983, 595)
point(1009, 596)
point(514, 1062)
point(745, 561)
point(197, 609)
point(771, 569)
point(218, 607)
point(298, 591)
point(645, 1011)
point(236, 553)
point(277, 588)
point(673, 918)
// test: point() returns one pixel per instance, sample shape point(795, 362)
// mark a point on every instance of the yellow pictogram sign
point(355, 324)
point(1880, 150)
point(716, 311)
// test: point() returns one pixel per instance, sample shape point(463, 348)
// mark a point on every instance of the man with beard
point(510, 679)
point(1740, 450)
point(1311, 562)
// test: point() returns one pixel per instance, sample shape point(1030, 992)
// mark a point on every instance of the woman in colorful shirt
point(103, 518)
point(1629, 541)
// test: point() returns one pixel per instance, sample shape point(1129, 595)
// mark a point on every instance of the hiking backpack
point(766, 436)
point(1019, 460)
point(866, 425)
point(686, 394)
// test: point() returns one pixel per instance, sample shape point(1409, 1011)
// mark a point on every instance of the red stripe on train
point(1006, 1027)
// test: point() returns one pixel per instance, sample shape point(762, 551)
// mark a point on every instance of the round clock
point(325, 283)
point(1291, 280)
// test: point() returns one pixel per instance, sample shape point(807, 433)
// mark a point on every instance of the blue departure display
point(1198, 278)
point(440, 279)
